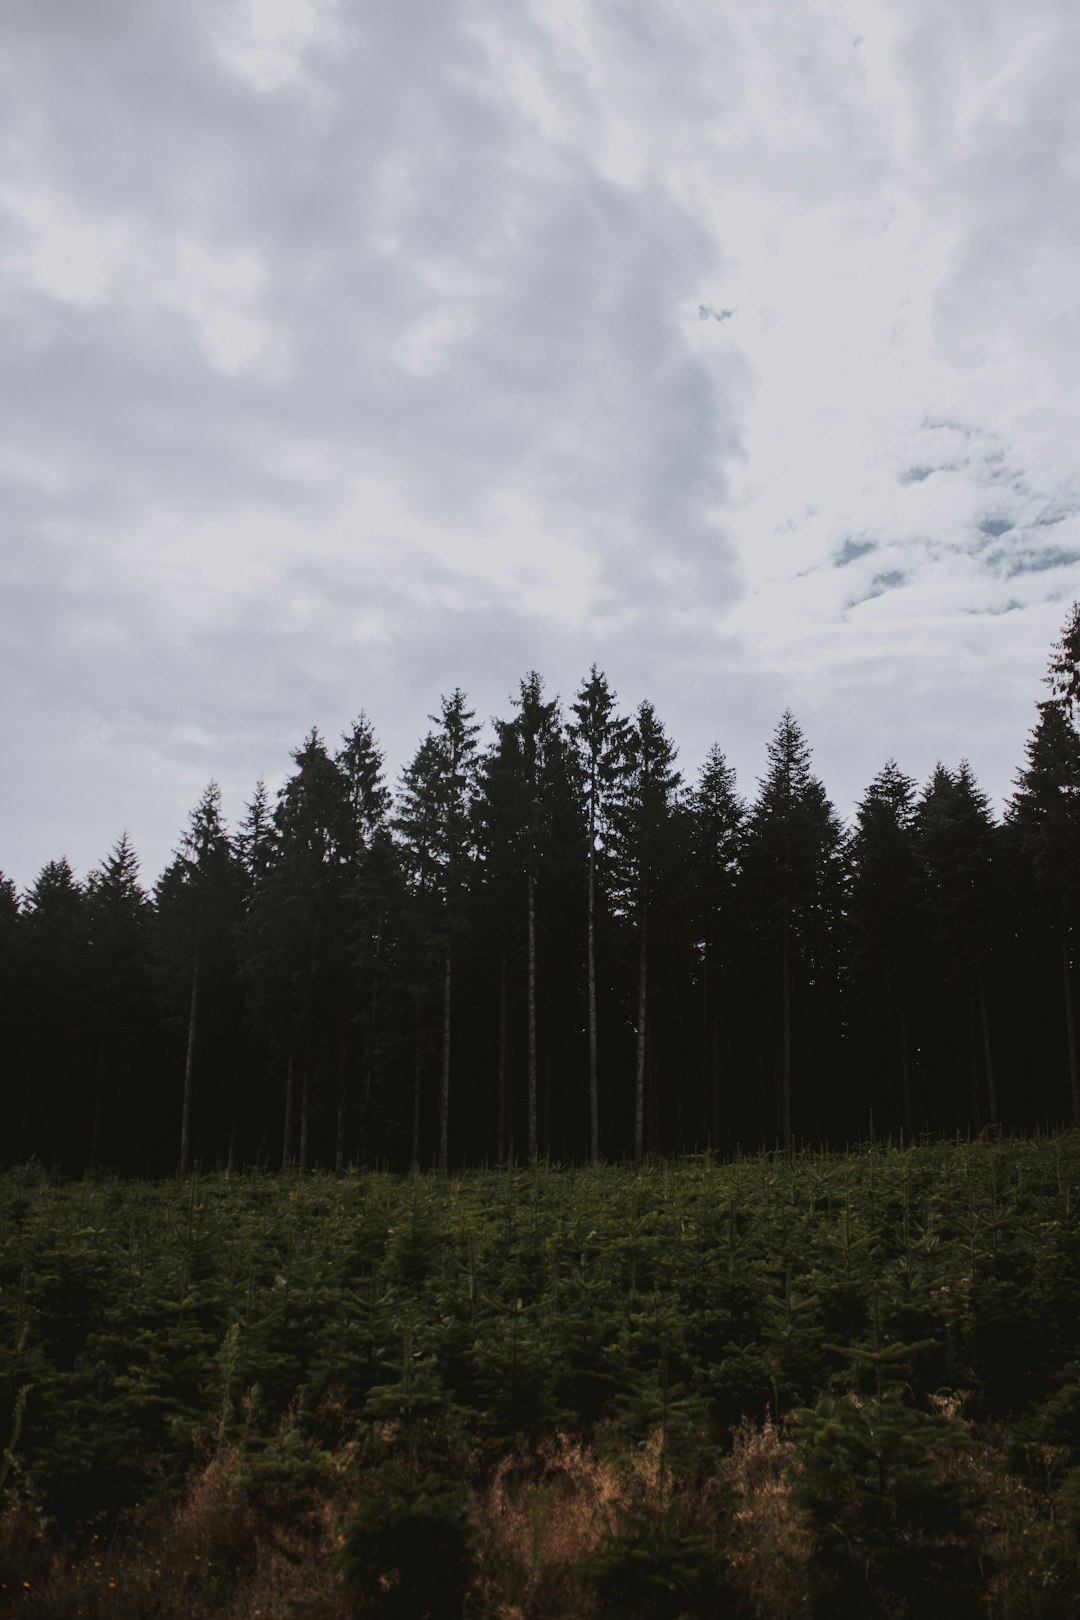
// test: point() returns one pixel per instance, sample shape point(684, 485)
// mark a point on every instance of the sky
point(357, 350)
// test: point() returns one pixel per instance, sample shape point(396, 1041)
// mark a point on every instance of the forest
point(552, 947)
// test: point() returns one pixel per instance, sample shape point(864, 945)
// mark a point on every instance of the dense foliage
point(803, 1383)
point(554, 947)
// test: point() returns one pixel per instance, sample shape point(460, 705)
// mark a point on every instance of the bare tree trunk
point(639, 1086)
point(99, 1093)
point(905, 1074)
point(418, 1064)
point(1070, 1016)
point(785, 1050)
point(533, 1149)
point(369, 1059)
point(547, 1100)
point(976, 1109)
point(287, 1133)
point(444, 1091)
point(189, 1070)
point(652, 1094)
point(594, 1091)
point(502, 1156)
point(304, 1113)
point(339, 1135)
point(988, 1055)
point(24, 1120)
point(715, 1079)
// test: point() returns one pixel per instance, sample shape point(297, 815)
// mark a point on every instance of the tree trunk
point(785, 1037)
point(189, 1070)
point(444, 1090)
point(369, 1061)
point(304, 1113)
point(973, 1049)
point(339, 1134)
point(1070, 1016)
point(639, 1086)
point(533, 1149)
point(287, 1133)
point(502, 1101)
point(99, 1093)
point(715, 1079)
point(905, 1074)
point(594, 1092)
point(418, 1064)
point(988, 1055)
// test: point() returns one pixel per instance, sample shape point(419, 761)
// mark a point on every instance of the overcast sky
point(355, 351)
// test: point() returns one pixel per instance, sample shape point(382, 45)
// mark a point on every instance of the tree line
point(554, 946)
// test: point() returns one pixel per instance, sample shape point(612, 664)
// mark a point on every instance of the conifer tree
point(297, 933)
point(955, 839)
point(717, 817)
point(794, 870)
point(884, 908)
point(371, 898)
point(10, 1013)
point(1045, 811)
point(198, 900)
point(600, 737)
point(53, 974)
point(436, 826)
point(118, 983)
point(254, 841)
point(531, 834)
point(642, 822)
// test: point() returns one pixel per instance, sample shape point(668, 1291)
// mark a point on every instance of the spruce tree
point(642, 821)
point(53, 988)
point(955, 840)
point(600, 737)
point(884, 911)
point(297, 933)
point(373, 901)
point(794, 864)
point(1045, 811)
point(198, 899)
point(717, 818)
point(118, 979)
point(435, 823)
point(531, 837)
point(10, 1002)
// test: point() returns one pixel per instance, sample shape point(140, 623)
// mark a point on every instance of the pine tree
point(530, 835)
point(795, 877)
point(641, 824)
point(118, 983)
point(198, 899)
point(297, 932)
point(955, 840)
point(10, 999)
point(372, 899)
point(1045, 811)
point(53, 927)
point(435, 823)
point(884, 909)
point(717, 817)
point(600, 737)
point(254, 841)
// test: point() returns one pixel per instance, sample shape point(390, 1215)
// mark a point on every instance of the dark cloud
point(852, 550)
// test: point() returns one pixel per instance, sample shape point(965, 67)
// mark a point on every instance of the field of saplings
point(807, 1384)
